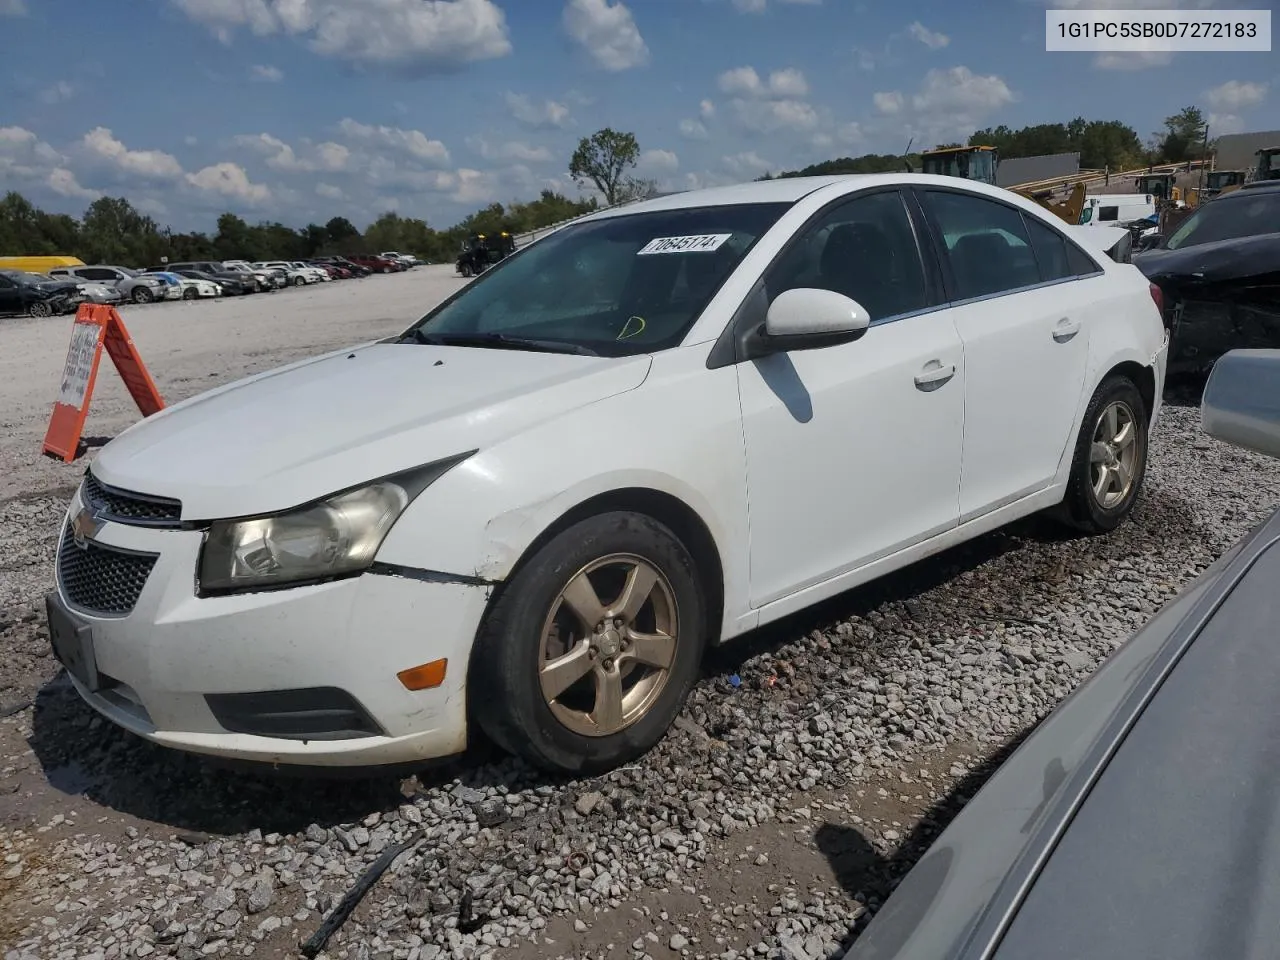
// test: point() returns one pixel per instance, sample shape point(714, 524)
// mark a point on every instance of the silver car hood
point(1032, 866)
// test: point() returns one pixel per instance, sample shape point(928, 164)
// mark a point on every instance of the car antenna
point(906, 153)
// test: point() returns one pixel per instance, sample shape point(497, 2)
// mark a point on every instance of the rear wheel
point(1110, 460)
point(586, 657)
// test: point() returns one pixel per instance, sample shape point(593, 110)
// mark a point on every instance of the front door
point(853, 452)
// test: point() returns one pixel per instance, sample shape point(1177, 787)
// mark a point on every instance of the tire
point(1082, 507)
point(299, 281)
point(40, 308)
point(142, 295)
point(529, 624)
point(190, 294)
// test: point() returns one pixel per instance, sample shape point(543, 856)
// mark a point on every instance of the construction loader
point(981, 162)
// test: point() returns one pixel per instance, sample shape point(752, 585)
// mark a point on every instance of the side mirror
point(1241, 403)
point(808, 318)
point(1150, 241)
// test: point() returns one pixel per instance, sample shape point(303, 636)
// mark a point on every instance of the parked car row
point(64, 288)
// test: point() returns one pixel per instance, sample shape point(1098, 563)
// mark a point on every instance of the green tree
point(112, 231)
point(231, 242)
point(1184, 135)
point(341, 230)
point(604, 159)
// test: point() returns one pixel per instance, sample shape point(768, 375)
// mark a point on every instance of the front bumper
point(170, 668)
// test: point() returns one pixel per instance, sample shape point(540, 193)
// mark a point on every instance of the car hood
point(1212, 262)
point(288, 436)
point(953, 901)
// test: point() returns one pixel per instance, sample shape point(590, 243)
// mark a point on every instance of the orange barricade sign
point(96, 326)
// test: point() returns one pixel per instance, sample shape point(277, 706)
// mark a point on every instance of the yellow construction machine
point(981, 162)
point(1267, 167)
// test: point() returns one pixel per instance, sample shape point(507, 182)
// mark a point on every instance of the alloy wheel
point(1113, 455)
point(603, 663)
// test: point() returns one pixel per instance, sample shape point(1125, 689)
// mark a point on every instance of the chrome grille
point(101, 579)
point(122, 506)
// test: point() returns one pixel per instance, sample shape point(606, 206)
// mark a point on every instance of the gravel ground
point(813, 764)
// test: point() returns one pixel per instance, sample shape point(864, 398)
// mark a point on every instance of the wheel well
point(671, 511)
point(1144, 379)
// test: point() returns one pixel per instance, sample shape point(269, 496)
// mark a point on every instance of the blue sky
point(299, 110)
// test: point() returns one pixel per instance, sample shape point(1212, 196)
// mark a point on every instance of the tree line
point(113, 231)
point(1100, 143)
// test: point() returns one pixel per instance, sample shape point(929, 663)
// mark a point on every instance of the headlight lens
point(336, 536)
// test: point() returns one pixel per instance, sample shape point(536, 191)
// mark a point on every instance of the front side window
point(986, 244)
point(863, 248)
point(622, 285)
point(1108, 213)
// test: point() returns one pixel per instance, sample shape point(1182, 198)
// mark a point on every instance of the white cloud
point(281, 156)
point(13, 8)
point(101, 147)
point(745, 82)
point(749, 164)
point(229, 180)
point(266, 73)
point(760, 6)
point(542, 115)
point(1221, 124)
point(1128, 4)
point(773, 116)
point(1236, 95)
point(930, 38)
point(657, 163)
point(57, 93)
point(707, 109)
point(413, 142)
point(889, 102)
point(407, 33)
point(693, 129)
point(330, 192)
point(961, 92)
point(25, 158)
point(512, 151)
point(190, 141)
point(607, 32)
point(64, 183)
point(1133, 60)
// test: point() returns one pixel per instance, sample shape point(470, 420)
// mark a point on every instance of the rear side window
point(1050, 248)
point(986, 244)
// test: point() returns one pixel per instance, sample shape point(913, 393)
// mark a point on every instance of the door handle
point(934, 375)
point(1065, 329)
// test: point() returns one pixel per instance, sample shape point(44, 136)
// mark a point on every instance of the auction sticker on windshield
point(705, 243)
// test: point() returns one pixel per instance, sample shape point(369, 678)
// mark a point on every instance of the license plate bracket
point(72, 644)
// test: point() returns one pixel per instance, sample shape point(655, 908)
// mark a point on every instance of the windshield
point(615, 287)
point(1237, 215)
point(25, 277)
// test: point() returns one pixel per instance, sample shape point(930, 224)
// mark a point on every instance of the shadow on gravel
point(1184, 389)
point(869, 876)
point(83, 755)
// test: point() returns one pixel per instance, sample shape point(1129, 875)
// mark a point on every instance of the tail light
point(1157, 296)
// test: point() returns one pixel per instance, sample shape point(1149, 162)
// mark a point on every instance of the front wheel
point(190, 293)
point(1110, 459)
point(40, 308)
point(142, 295)
point(588, 654)
point(298, 281)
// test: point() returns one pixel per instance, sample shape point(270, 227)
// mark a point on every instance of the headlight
point(334, 537)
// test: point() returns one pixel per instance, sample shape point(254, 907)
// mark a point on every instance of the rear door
point(10, 296)
point(1024, 326)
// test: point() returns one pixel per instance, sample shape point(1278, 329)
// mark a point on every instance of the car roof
point(1263, 186)
point(793, 189)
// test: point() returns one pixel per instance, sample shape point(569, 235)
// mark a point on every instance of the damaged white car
point(651, 431)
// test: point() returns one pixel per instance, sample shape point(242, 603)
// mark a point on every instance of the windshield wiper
point(499, 341)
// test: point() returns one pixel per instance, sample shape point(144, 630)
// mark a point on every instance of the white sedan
point(651, 431)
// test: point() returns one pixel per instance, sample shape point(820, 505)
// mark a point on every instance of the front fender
point(679, 434)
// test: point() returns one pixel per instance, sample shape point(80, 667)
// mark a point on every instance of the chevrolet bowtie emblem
point(84, 527)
